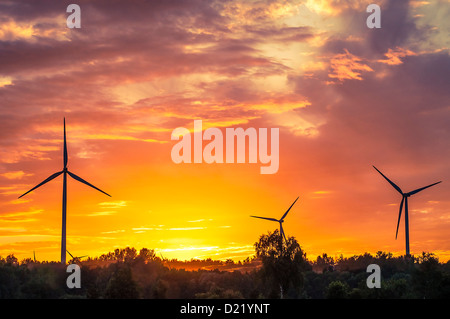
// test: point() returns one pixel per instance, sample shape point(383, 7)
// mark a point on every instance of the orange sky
point(344, 97)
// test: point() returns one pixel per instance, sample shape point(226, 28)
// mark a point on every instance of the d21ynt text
point(235, 308)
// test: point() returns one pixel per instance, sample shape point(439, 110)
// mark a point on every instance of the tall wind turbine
point(281, 220)
point(65, 171)
point(404, 201)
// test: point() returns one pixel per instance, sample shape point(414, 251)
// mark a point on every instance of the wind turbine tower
point(65, 172)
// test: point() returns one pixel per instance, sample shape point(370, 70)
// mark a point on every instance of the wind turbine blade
point(70, 254)
point(84, 182)
point(288, 209)
point(421, 189)
point(272, 219)
point(43, 182)
point(390, 182)
point(399, 216)
point(65, 145)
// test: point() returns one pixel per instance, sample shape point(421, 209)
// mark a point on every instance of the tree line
point(279, 269)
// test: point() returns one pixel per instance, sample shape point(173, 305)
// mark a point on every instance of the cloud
point(199, 220)
point(19, 201)
point(322, 192)
point(114, 231)
point(336, 7)
point(15, 175)
point(140, 229)
point(177, 43)
point(162, 227)
point(347, 66)
point(117, 204)
point(344, 96)
point(20, 216)
point(11, 31)
point(12, 229)
point(110, 206)
point(393, 56)
point(4, 240)
point(102, 213)
point(186, 228)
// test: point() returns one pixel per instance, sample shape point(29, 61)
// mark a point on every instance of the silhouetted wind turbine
point(75, 259)
point(65, 171)
point(281, 220)
point(405, 201)
point(164, 260)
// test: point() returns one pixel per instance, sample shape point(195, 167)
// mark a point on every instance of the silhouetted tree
point(121, 284)
point(220, 293)
point(283, 262)
point(11, 259)
point(337, 290)
point(324, 263)
point(9, 282)
point(125, 274)
point(427, 277)
point(146, 255)
point(118, 254)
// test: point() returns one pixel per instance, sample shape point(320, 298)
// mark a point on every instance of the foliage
point(127, 273)
point(283, 264)
point(337, 290)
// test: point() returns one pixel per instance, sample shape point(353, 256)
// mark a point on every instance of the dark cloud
point(395, 115)
point(281, 34)
point(398, 26)
point(27, 10)
point(400, 118)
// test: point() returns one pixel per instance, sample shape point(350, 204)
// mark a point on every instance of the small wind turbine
point(405, 201)
point(164, 260)
point(76, 259)
point(65, 171)
point(281, 220)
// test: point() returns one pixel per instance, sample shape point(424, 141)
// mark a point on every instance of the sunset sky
point(344, 97)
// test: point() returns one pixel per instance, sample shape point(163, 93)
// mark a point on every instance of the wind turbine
point(164, 259)
point(65, 171)
point(404, 201)
point(75, 259)
point(281, 220)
